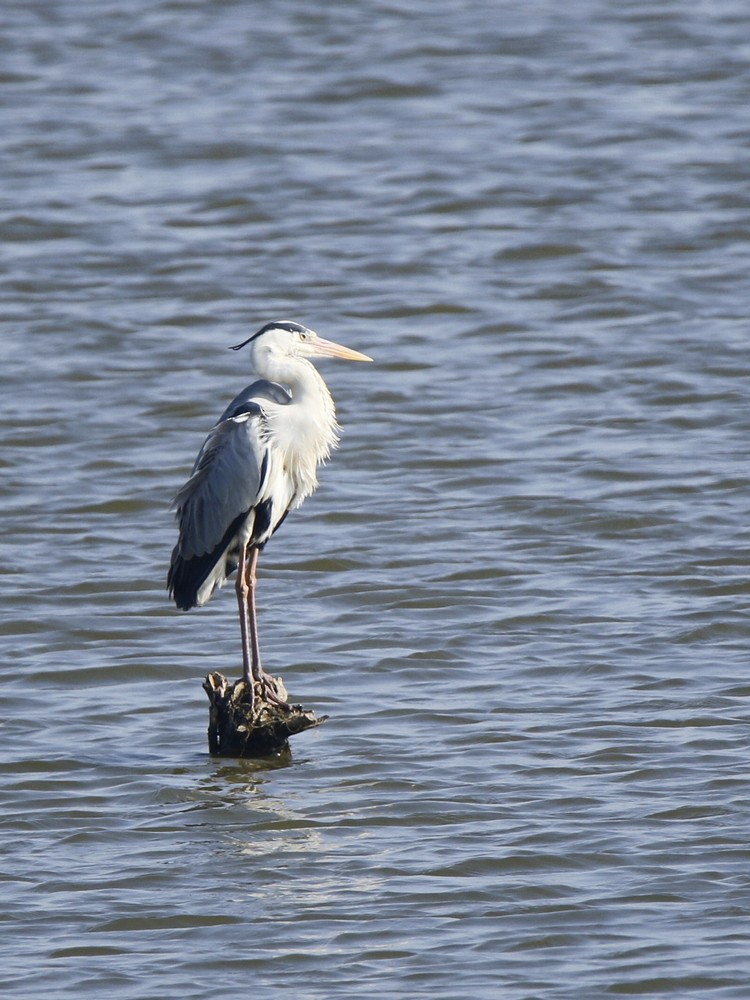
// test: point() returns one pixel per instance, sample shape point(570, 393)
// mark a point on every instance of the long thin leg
point(248, 570)
point(241, 589)
point(267, 683)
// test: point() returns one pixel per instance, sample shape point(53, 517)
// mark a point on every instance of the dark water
point(521, 592)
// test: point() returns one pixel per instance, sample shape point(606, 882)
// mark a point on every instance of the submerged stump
point(237, 728)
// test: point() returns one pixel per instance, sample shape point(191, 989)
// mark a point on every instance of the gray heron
point(258, 462)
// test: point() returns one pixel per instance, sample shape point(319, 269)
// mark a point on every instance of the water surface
point(521, 591)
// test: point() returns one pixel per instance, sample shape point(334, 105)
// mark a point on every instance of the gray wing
point(262, 389)
point(226, 481)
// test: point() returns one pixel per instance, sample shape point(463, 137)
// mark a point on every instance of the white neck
point(304, 431)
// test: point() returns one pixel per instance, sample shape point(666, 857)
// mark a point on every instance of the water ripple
point(521, 591)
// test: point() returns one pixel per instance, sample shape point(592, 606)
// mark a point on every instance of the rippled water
point(521, 592)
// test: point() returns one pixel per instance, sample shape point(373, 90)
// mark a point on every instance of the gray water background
point(521, 591)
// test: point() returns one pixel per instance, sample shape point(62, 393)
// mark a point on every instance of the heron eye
point(304, 336)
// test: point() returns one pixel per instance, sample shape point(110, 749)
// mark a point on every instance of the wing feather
point(226, 482)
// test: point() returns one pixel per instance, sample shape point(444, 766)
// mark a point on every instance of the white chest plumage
point(302, 434)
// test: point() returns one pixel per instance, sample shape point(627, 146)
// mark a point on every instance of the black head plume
point(238, 347)
point(283, 324)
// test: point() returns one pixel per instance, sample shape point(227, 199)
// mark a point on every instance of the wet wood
point(238, 729)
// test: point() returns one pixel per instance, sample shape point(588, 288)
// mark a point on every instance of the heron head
point(285, 339)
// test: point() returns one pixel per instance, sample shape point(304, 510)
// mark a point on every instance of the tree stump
point(238, 729)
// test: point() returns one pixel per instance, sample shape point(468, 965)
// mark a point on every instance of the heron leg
point(268, 685)
point(248, 572)
point(242, 602)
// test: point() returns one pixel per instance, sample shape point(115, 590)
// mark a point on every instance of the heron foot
point(271, 688)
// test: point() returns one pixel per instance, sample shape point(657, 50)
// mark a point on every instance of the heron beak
point(327, 349)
